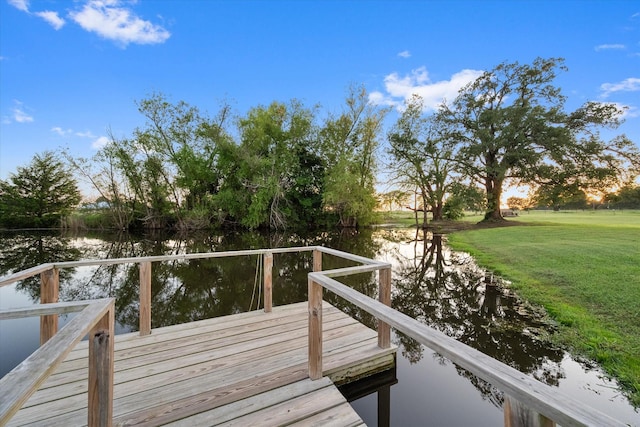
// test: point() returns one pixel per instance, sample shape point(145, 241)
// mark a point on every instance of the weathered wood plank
point(24, 274)
point(293, 410)
point(191, 329)
point(384, 296)
point(237, 394)
point(169, 388)
point(268, 281)
point(49, 286)
point(170, 357)
point(164, 351)
point(315, 330)
point(38, 310)
point(342, 415)
point(100, 384)
point(145, 298)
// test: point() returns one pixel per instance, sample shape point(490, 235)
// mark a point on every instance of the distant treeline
point(287, 165)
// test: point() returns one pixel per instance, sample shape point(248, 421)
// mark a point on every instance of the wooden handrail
point(527, 390)
point(534, 394)
point(96, 316)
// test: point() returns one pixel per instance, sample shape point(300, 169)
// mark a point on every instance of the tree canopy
point(278, 167)
point(510, 126)
point(283, 166)
point(421, 157)
point(39, 194)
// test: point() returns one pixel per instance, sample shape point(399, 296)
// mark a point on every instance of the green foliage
point(509, 124)
point(560, 196)
point(348, 145)
point(454, 208)
point(420, 157)
point(38, 195)
point(273, 178)
point(627, 197)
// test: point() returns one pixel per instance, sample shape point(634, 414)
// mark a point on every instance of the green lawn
point(584, 268)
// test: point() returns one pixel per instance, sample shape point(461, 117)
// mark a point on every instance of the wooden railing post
point(49, 290)
point(516, 414)
point(145, 298)
point(384, 296)
point(315, 330)
point(317, 260)
point(268, 281)
point(101, 343)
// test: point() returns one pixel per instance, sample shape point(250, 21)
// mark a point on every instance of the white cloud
point(86, 134)
point(405, 54)
point(22, 5)
point(631, 84)
point(60, 131)
point(19, 115)
point(398, 89)
point(100, 142)
point(610, 47)
point(113, 22)
point(52, 18)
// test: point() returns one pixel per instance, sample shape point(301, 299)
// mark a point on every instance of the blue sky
point(70, 70)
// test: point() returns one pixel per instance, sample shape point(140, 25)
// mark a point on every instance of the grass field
point(584, 268)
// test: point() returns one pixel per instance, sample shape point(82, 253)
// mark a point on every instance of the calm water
point(430, 283)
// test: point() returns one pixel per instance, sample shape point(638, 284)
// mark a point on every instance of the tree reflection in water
point(448, 292)
point(430, 283)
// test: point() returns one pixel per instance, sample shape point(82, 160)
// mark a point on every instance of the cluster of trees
point(509, 126)
point(277, 167)
point(281, 166)
point(625, 197)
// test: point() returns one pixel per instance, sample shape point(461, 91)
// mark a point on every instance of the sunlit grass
point(584, 268)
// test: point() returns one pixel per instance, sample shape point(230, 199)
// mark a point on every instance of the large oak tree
point(510, 126)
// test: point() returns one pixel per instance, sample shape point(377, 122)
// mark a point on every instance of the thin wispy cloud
point(22, 5)
point(111, 21)
point(19, 115)
point(62, 132)
point(405, 54)
point(609, 47)
point(631, 84)
point(52, 18)
point(86, 134)
point(398, 88)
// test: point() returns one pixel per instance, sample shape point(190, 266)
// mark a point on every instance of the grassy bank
point(584, 268)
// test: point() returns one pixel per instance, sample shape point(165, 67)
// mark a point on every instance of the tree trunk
point(494, 193)
point(437, 212)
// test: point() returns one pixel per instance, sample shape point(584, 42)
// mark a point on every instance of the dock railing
point(96, 318)
point(528, 402)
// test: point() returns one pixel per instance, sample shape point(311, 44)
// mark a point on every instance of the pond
point(432, 284)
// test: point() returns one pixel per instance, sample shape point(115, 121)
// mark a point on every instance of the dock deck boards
point(241, 369)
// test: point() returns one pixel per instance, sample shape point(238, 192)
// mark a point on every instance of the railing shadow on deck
point(528, 402)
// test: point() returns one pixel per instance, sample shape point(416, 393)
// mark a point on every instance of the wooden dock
point(244, 369)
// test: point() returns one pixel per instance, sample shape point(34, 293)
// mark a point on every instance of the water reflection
point(21, 251)
point(443, 289)
point(447, 291)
